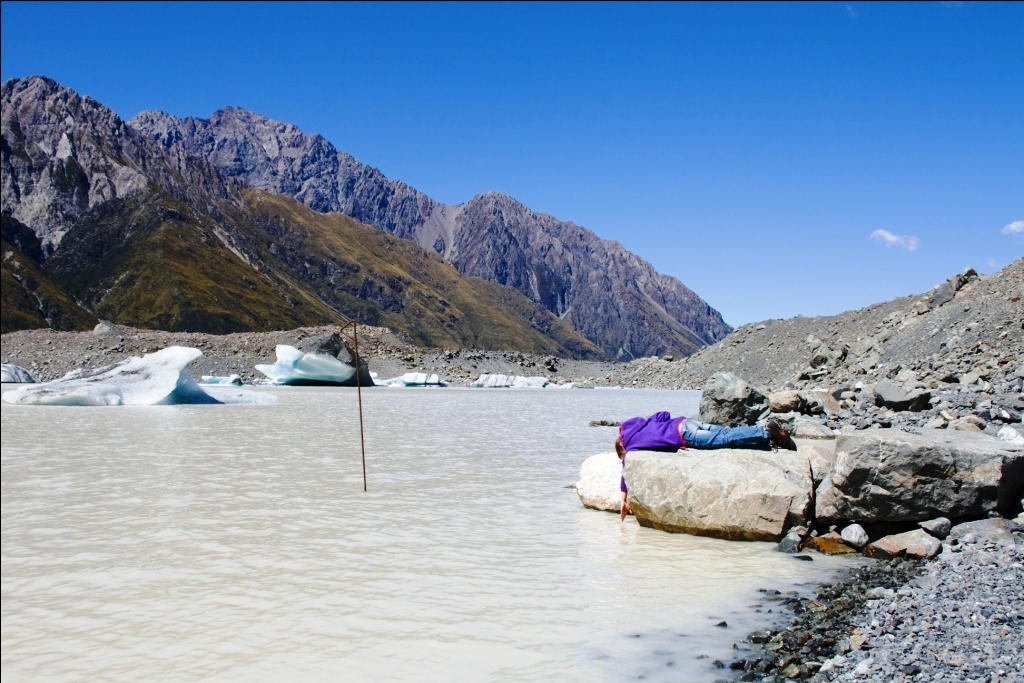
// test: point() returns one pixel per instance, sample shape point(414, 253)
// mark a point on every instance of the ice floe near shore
point(412, 379)
point(154, 379)
point(297, 368)
point(235, 379)
point(495, 381)
point(15, 374)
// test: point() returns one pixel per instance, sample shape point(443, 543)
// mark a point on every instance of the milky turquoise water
point(235, 543)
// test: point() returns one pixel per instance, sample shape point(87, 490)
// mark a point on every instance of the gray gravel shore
point(961, 620)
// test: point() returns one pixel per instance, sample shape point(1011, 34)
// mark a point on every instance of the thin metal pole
point(359, 392)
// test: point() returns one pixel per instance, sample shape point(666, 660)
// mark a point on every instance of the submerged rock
point(892, 475)
point(598, 487)
point(728, 493)
point(15, 374)
point(730, 401)
point(830, 546)
point(789, 544)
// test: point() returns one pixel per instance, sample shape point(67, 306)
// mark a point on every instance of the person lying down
point(662, 432)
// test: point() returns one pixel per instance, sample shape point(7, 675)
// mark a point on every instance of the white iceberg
point(15, 374)
point(412, 379)
point(297, 368)
point(508, 382)
point(155, 379)
point(235, 379)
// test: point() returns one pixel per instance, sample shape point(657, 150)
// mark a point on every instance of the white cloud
point(908, 242)
point(1014, 228)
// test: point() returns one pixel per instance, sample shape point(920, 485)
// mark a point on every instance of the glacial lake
point(235, 543)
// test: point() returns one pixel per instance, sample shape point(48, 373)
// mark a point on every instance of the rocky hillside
point(613, 297)
point(969, 324)
point(101, 221)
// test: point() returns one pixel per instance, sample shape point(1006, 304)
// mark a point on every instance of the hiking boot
point(779, 437)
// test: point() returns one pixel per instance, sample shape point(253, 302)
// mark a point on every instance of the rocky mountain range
point(100, 220)
point(614, 298)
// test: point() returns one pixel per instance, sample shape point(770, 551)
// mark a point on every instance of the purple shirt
point(659, 432)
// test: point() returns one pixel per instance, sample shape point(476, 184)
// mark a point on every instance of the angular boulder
point(916, 544)
point(888, 475)
point(817, 402)
point(888, 395)
point(598, 487)
point(985, 530)
point(730, 401)
point(790, 401)
point(855, 536)
point(727, 493)
point(821, 460)
point(939, 527)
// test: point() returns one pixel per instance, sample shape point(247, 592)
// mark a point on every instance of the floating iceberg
point(155, 379)
point(230, 379)
point(15, 374)
point(296, 368)
point(509, 381)
point(412, 379)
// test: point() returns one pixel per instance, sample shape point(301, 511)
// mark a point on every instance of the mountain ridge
point(615, 298)
point(157, 238)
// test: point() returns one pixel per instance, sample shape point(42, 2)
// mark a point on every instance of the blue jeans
point(703, 435)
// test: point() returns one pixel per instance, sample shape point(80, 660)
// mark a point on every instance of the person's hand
point(623, 511)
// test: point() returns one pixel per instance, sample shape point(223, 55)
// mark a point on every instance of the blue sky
point(751, 150)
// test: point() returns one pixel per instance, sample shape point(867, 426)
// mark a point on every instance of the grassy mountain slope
point(29, 299)
point(383, 280)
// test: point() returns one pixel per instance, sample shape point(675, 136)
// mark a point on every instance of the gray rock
point(984, 530)
point(730, 401)
point(968, 423)
point(789, 544)
point(786, 401)
point(598, 485)
point(727, 493)
point(888, 395)
point(855, 536)
point(891, 475)
point(938, 527)
point(819, 402)
point(103, 327)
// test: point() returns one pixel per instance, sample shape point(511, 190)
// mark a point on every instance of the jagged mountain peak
point(612, 296)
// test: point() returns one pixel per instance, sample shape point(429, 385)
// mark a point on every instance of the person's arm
point(624, 509)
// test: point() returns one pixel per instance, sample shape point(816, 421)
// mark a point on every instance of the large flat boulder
point(889, 475)
point(727, 493)
point(598, 487)
point(730, 401)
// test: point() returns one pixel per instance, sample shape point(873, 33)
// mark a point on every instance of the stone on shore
point(968, 423)
point(790, 401)
point(916, 544)
point(892, 475)
point(598, 487)
point(888, 395)
point(790, 544)
point(830, 546)
point(985, 530)
point(855, 536)
point(730, 401)
point(939, 528)
point(727, 493)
